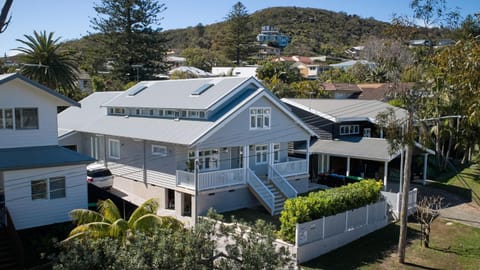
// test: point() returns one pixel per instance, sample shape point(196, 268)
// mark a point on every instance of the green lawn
point(468, 179)
point(453, 246)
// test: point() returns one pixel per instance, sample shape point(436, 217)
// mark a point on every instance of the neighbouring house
point(193, 71)
point(308, 67)
point(84, 82)
point(150, 136)
point(270, 35)
point(382, 91)
point(355, 52)
point(40, 181)
point(349, 141)
point(265, 51)
point(342, 90)
point(350, 63)
point(250, 71)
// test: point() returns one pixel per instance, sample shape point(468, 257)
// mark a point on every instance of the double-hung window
point(261, 153)
point(276, 153)
point(48, 188)
point(260, 118)
point(114, 148)
point(6, 118)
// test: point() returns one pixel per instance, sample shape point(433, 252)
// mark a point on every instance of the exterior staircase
point(8, 261)
point(279, 198)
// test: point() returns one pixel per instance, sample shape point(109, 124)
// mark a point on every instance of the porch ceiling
point(355, 147)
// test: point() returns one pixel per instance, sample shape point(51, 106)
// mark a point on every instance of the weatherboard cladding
point(177, 94)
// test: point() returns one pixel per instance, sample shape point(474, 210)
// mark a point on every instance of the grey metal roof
point(343, 110)
point(4, 78)
point(176, 94)
point(39, 157)
point(355, 147)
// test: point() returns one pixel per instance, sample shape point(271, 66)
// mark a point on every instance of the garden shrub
point(326, 203)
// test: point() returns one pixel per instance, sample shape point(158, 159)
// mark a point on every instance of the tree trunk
point(4, 14)
point(426, 241)
point(402, 241)
point(438, 149)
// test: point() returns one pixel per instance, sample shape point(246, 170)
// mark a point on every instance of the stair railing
point(261, 189)
point(281, 183)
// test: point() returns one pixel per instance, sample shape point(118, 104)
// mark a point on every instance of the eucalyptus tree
point(45, 61)
point(4, 18)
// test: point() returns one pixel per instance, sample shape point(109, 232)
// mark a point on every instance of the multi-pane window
point(349, 129)
point(159, 150)
point(276, 153)
point(261, 153)
point(207, 159)
point(6, 118)
point(26, 118)
point(52, 188)
point(260, 118)
point(57, 187)
point(117, 110)
point(114, 148)
point(39, 189)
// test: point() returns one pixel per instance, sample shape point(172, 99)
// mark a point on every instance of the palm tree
point(45, 62)
point(108, 222)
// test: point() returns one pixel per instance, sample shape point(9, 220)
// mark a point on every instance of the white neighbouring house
point(40, 181)
point(150, 135)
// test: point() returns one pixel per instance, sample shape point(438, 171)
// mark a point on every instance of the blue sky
point(70, 19)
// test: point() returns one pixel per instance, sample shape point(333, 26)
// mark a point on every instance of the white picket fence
point(320, 236)
point(394, 201)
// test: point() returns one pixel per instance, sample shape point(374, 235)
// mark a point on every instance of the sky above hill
point(70, 19)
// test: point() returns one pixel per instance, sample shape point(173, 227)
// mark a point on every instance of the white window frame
point(349, 129)
point(112, 144)
point(118, 111)
point(3, 118)
point(260, 118)
point(276, 152)
point(49, 193)
point(159, 150)
point(20, 118)
point(261, 154)
point(206, 156)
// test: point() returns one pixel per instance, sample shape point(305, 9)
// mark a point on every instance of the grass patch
point(250, 216)
point(468, 178)
point(453, 246)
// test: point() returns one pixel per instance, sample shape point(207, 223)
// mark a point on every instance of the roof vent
point(134, 90)
point(202, 89)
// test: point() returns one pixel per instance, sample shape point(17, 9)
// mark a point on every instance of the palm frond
point(150, 206)
point(83, 216)
point(109, 210)
point(118, 228)
point(93, 229)
point(149, 222)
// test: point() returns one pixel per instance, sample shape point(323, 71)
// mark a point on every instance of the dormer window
point(260, 118)
point(117, 111)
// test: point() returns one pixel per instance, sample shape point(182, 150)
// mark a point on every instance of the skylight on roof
point(202, 89)
point(136, 89)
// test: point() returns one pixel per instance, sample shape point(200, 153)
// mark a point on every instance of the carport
point(358, 150)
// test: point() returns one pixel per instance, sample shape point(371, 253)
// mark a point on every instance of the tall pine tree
point(132, 35)
point(238, 41)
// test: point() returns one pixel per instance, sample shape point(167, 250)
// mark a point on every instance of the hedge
point(326, 203)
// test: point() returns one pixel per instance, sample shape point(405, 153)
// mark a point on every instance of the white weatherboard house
point(40, 181)
point(150, 135)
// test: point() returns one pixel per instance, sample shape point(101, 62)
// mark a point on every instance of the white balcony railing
point(290, 168)
point(211, 180)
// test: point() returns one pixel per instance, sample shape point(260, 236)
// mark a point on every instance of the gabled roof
point(345, 110)
point(40, 157)
point(4, 78)
point(177, 94)
point(92, 117)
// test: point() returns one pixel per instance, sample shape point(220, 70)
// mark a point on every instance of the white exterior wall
point(16, 94)
point(28, 213)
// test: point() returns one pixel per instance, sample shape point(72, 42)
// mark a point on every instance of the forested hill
point(312, 31)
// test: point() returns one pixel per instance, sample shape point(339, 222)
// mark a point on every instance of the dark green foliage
point(195, 248)
point(326, 203)
point(132, 37)
point(47, 63)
